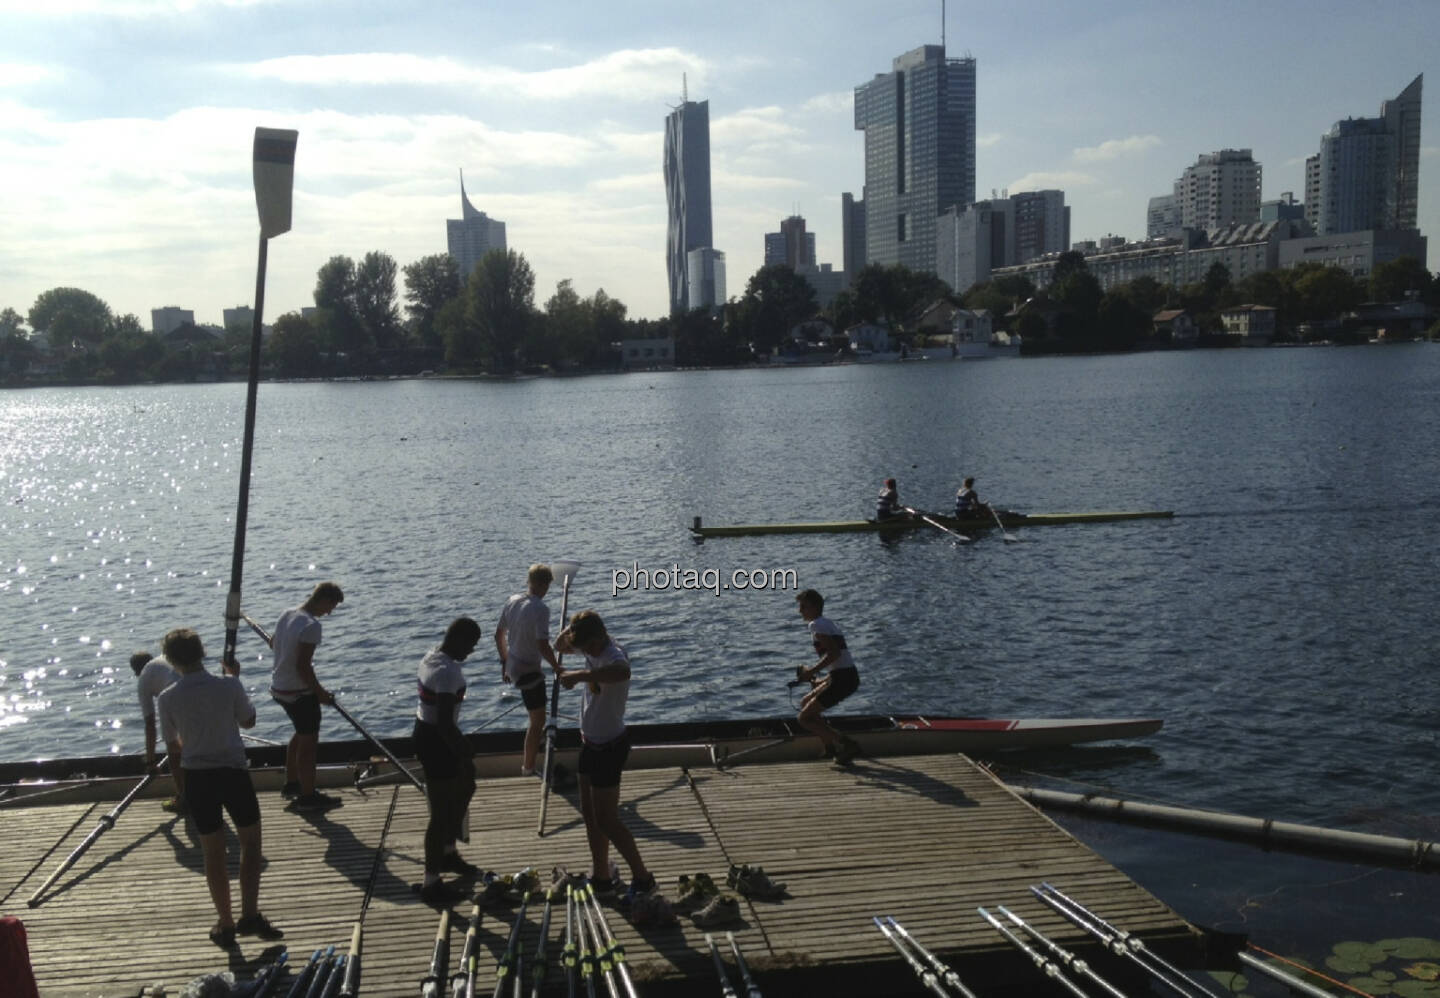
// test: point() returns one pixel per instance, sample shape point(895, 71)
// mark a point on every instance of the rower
point(887, 504)
point(967, 502)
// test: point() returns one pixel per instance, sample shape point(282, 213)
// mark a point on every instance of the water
point(1281, 623)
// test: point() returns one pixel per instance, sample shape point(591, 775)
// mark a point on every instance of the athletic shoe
point(258, 925)
point(290, 790)
point(175, 805)
point(695, 892)
point(315, 801)
point(721, 910)
point(224, 938)
point(751, 882)
point(453, 862)
point(439, 894)
point(651, 910)
point(846, 751)
point(604, 890)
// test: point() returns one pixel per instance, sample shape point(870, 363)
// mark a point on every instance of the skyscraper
point(792, 245)
point(1367, 173)
point(1220, 189)
point(919, 125)
point(472, 235)
point(852, 233)
point(687, 193)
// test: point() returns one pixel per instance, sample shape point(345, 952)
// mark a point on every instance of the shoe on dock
point(258, 925)
point(722, 910)
point(752, 882)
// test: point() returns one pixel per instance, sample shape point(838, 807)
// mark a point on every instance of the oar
point(1069, 959)
point(938, 526)
point(512, 948)
point(725, 989)
point(950, 977)
point(1001, 524)
point(566, 570)
point(433, 986)
point(540, 964)
point(925, 974)
point(751, 989)
point(614, 951)
point(107, 822)
point(1049, 967)
point(380, 745)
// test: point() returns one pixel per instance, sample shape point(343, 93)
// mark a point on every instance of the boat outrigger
point(720, 743)
point(1006, 520)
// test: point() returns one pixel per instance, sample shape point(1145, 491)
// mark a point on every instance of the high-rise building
point(687, 194)
point(1000, 232)
point(1221, 188)
point(1162, 216)
point(1042, 224)
point(705, 278)
point(1367, 173)
point(792, 245)
point(919, 125)
point(239, 317)
point(472, 235)
point(170, 318)
point(852, 234)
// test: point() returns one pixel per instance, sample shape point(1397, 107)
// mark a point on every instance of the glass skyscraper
point(919, 125)
point(1367, 173)
point(472, 235)
point(687, 192)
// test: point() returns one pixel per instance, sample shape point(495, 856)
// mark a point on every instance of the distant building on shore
point(704, 278)
point(472, 235)
point(1221, 188)
point(1001, 232)
point(792, 245)
point(1367, 172)
point(852, 234)
point(170, 318)
point(687, 194)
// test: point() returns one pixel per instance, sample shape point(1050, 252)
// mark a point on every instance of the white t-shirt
point(296, 627)
point(823, 625)
point(526, 620)
point(204, 712)
point(602, 715)
point(156, 675)
point(438, 673)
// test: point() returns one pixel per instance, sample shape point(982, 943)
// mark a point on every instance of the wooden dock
point(922, 838)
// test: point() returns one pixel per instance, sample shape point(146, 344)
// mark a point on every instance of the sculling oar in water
point(950, 977)
point(566, 570)
point(107, 822)
point(347, 715)
point(1009, 537)
point(1049, 967)
point(1070, 960)
point(937, 525)
point(752, 990)
point(926, 975)
point(1119, 941)
point(433, 986)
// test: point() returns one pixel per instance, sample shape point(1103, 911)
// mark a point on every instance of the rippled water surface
point(1281, 623)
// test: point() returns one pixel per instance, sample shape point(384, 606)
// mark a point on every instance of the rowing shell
point(963, 525)
point(695, 744)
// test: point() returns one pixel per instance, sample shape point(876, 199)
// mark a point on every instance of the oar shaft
point(380, 745)
point(725, 989)
point(613, 949)
point(1063, 955)
point(941, 968)
point(297, 987)
point(1108, 937)
point(551, 728)
point(1049, 967)
point(926, 975)
point(751, 989)
point(433, 986)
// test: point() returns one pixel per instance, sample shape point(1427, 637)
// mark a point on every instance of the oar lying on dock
point(107, 822)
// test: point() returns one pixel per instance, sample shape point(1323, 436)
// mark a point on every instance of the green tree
point(1393, 279)
point(430, 282)
point(568, 330)
point(375, 301)
point(1120, 323)
point(776, 299)
point(295, 347)
point(70, 316)
point(12, 323)
point(1327, 293)
point(1145, 293)
point(499, 312)
point(129, 353)
point(339, 320)
point(1066, 264)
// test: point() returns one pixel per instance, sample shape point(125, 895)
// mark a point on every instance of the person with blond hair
point(522, 640)
point(200, 717)
point(294, 686)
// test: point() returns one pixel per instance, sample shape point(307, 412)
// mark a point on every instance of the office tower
point(705, 278)
point(472, 235)
point(852, 234)
point(687, 193)
point(919, 125)
point(1368, 170)
point(1162, 216)
point(792, 245)
point(1041, 224)
point(1220, 189)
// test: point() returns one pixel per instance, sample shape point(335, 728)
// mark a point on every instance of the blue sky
point(125, 125)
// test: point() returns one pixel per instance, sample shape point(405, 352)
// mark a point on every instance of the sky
point(126, 125)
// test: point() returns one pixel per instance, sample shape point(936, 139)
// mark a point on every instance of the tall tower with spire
point(472, 235)
point(687, 193)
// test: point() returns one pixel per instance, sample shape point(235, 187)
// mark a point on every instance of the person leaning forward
point(200, 717)
point(152, 676)
point(295, 687)
point(448, 760)
point(522, 639)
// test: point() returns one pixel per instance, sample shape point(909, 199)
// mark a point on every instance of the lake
point(1281, 623)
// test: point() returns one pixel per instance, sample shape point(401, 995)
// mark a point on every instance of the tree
point(70, 316)
point(295, 347)
point(498, 312)
point(12, 323)
point(568, 327)
point(430, 282)
point(1066, 264)
point(129, 353)
point(1327, 293)
point(374, 300)
point(1391, 280)
point(1145, 293)
point(338, 321)
point(1217, 282)
point(776, 299)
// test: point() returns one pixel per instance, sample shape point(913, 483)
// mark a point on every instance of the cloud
point(14, 75)
point(1116, 148)
point(988, 140)
point(842, 102)
point(1047, 180)
point(749, 126)
point(634, 74)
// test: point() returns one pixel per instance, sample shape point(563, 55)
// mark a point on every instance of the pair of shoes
point(453, 862)
point(695, 892)
point(314, 801)
point(721, 910)
point(643, 885)
point(175, 805)
point(651, 910)
point(224, 938)
point(258, 925)
point(290, 790)
point(439, 894)
point(847, 750)
point(752, 882)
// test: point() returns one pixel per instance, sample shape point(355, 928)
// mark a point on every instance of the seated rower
point(967, 502)
point(887, 505)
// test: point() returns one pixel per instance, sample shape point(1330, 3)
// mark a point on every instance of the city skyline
point(141, 193)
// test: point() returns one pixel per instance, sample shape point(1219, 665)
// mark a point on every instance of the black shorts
point(843, 682)
point(532, 690)
point(435, 756)
point(602, 764)
point(208, 790)
point(304, 712)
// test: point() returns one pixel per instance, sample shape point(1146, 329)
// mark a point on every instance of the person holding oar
point(967, 502)
point(448, 760)
point(201, 716)
point(843, 680)
point(887, 504)
point(152, 676)
point(522, 639)
point(295, 688)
